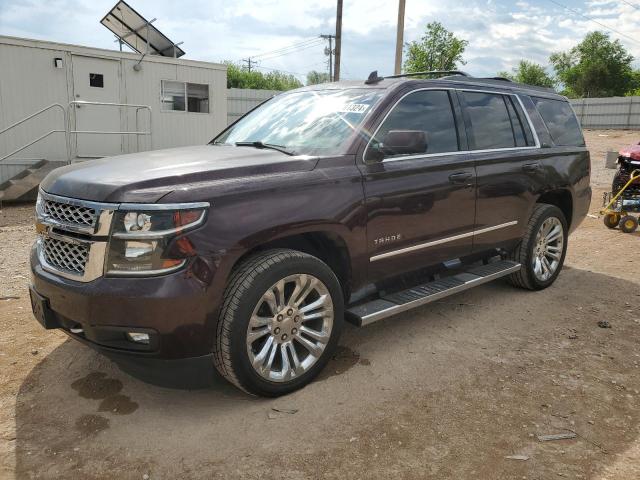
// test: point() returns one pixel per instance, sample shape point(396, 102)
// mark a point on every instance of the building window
point(198, 98)
point(96, 80)
point(173, 96)
point(182, 96)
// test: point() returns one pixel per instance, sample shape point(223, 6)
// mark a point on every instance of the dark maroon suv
point(351, 200)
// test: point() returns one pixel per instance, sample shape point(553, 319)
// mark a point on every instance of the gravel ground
point(451, 390)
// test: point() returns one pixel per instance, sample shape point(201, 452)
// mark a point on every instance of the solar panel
point(134, 30)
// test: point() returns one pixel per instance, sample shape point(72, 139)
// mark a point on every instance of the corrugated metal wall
point(617, 113)
point(240, 101)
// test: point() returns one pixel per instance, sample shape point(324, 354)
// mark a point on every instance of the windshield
point(311, 122)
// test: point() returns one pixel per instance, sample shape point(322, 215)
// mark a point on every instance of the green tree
point(596, 67)
point(314, 77)
point(238, 77)
point(530, 73)
point(438, 49)
point(634, 90)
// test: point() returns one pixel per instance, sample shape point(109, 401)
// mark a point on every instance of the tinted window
point(490, 122)
point(561, 121)
point(522, 121)
point(429, 111)
point(516, 124)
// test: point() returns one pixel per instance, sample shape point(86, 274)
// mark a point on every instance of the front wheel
point(611, 220)
point(542, 250)
point(280, 322)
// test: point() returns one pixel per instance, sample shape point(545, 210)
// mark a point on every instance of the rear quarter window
point(561, 122)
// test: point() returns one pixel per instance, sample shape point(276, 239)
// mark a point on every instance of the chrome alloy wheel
point(290, 327)
point(547, 251)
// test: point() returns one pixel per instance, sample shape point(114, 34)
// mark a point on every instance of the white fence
point(617, 113)
point(241, 100)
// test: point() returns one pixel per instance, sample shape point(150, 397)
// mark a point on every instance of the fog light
point(138, 337)
point(136, 249)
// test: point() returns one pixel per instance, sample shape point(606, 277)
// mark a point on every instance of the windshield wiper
point(271, 146)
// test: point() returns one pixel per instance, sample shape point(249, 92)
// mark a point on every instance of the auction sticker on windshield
point(354, 108)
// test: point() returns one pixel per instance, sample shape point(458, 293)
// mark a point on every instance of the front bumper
point(173, 309)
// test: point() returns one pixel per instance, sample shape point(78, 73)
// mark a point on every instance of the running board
point(398, 302)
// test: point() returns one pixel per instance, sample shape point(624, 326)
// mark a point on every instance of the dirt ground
point(448, 391)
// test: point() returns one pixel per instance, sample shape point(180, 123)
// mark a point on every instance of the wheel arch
point(328, 246)
point(561, 198)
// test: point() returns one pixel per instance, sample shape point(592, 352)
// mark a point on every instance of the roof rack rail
point(431, 72)
point(374, 78)
point(503, 79)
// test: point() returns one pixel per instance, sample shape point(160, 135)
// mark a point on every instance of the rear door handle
point(531, 167)
point(460, 177)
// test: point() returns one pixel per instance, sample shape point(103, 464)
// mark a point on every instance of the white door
point(97, 80)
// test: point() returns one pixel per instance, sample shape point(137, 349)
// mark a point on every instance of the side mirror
point(404, 142)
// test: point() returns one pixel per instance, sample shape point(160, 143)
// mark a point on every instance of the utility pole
point(336, 69)
point(399, 37)
point(249, 61)
point(329, 52)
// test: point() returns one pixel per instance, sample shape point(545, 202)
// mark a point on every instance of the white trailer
point(64, 103)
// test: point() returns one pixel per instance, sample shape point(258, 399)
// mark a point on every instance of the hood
point(148, 176)
point(632, 152)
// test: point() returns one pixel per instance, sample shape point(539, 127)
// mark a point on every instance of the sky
point(499, 32)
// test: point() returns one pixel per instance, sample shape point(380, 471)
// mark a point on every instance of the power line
point(594, 21)
point(306, 47)
point(253, 60)
point(631, 4)
point(280, 70)
point(288, 47)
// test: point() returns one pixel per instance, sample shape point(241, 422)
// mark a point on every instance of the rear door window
point(561, 122)
point(429, 111)
point(519, 123)
point(489, 124)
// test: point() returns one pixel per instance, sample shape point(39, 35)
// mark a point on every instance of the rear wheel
point(542, 250)
point(628, 224)
point(280, 322)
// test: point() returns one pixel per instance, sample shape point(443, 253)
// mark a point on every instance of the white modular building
point(64, 103)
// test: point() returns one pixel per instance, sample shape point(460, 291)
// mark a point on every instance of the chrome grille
point(70, 214)
point(66, 256)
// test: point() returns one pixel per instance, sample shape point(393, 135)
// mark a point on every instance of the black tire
point(524, 252)
point(628, 224)
point(611, 220)
point(248, 282)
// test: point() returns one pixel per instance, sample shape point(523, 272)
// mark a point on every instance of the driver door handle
point(460, 177)
point(531, 167)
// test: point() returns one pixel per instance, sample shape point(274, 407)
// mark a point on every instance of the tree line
point(595, 67)
point(241, 77)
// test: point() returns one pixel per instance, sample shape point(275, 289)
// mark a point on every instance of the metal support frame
point(35, 114)
point(136, 132)
point(69, 131)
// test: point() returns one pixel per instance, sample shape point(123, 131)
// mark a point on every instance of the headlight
point(141, 236)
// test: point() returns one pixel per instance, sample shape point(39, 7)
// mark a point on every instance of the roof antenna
point(373, 78)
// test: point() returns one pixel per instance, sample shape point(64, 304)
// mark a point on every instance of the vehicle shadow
point(81, 415)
